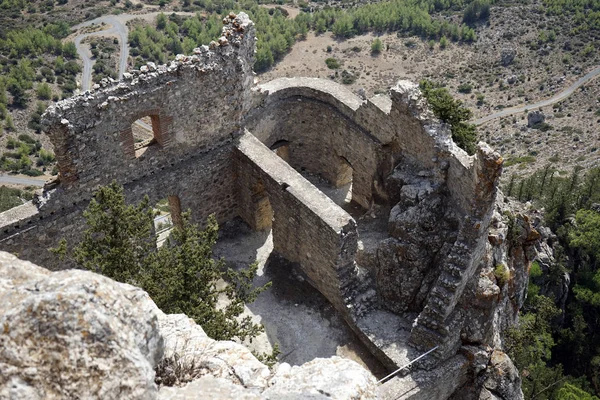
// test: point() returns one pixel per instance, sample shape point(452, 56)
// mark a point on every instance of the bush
point(376, 46)
point(502, 274)
point(465, 88)
point(451, 112)
point(332, 63)
point(180, 276)
point(44, 92)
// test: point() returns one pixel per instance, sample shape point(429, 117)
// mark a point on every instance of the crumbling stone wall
point(196, 104)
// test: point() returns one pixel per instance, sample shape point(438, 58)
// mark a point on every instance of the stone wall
point(308, 227)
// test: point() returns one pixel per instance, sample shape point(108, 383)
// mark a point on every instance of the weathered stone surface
point(331, 378)
point(492, 376)
point(74, 334)
point(187, 345)
point(208, 388)
point(507, 56)
point(502, 378)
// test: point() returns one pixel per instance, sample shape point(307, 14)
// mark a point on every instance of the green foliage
point(478, 10)
point(376, 46)
point(443, 42)
point(571, 210)
point(572, 392)
point(36, 117)
point(43, 91)
point(10, 198)
point(529, 346)
point(181, 276)
point(276, 33)
point(332, 63)
point(453, 113)
point(10, 126)
point(45, 158)
point(465, 88)
point(502, 274)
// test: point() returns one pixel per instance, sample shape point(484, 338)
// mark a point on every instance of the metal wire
point(407, 365)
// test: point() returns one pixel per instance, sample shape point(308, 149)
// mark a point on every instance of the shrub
point(332, 63)
point(502, 274)
point(376, 46)
point(465, 88)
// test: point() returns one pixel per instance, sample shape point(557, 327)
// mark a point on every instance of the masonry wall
point(308, 228)
point(322, 141)
point(196, 104)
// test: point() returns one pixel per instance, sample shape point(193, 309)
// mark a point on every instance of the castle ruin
point(224, 145)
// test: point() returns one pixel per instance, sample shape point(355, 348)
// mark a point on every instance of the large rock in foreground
point(75, 334)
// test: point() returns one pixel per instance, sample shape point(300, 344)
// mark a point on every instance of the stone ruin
point(225, 145)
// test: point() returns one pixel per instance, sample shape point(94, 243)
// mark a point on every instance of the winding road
point(116, 26)
point(542, 103)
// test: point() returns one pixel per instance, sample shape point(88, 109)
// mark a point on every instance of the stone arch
point(282, 149)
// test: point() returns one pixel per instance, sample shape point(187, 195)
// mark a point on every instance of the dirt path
point(542, 103)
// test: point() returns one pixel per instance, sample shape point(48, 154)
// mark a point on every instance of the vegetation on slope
point(563, 353)
point(276, 33)
point(452, 112)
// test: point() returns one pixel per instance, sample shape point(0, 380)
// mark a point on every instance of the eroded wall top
point(194, 104)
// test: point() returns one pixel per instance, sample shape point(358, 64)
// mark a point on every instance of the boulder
point(322, 378)
point(74, 334)
point(507, 56)
point(534, 118)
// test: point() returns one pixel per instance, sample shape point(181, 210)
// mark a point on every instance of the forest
point(276, 33)
point(557, 346)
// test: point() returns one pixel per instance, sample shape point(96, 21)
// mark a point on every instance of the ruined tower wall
point(196, 105)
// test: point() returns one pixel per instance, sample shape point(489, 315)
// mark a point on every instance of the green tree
point(376, 46)
point(451, 112)
point(10, 126)
point(181, 276)
point(443, 42)
point(44, 92)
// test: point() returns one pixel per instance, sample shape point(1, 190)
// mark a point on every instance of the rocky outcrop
point(421, 231)
point(76, 334)
point(494, 377)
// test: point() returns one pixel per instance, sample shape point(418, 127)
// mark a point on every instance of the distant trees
point(276, 33)
point(478, 10)
point(570, 204)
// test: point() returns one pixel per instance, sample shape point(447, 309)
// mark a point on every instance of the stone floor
point(295, 315)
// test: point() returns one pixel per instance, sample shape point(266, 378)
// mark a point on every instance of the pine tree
point(181, 276)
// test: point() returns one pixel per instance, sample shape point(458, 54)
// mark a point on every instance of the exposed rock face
point(507, 56)
point(334, 378)
point(420, 228)
point(76, 334)
point(494, 378)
